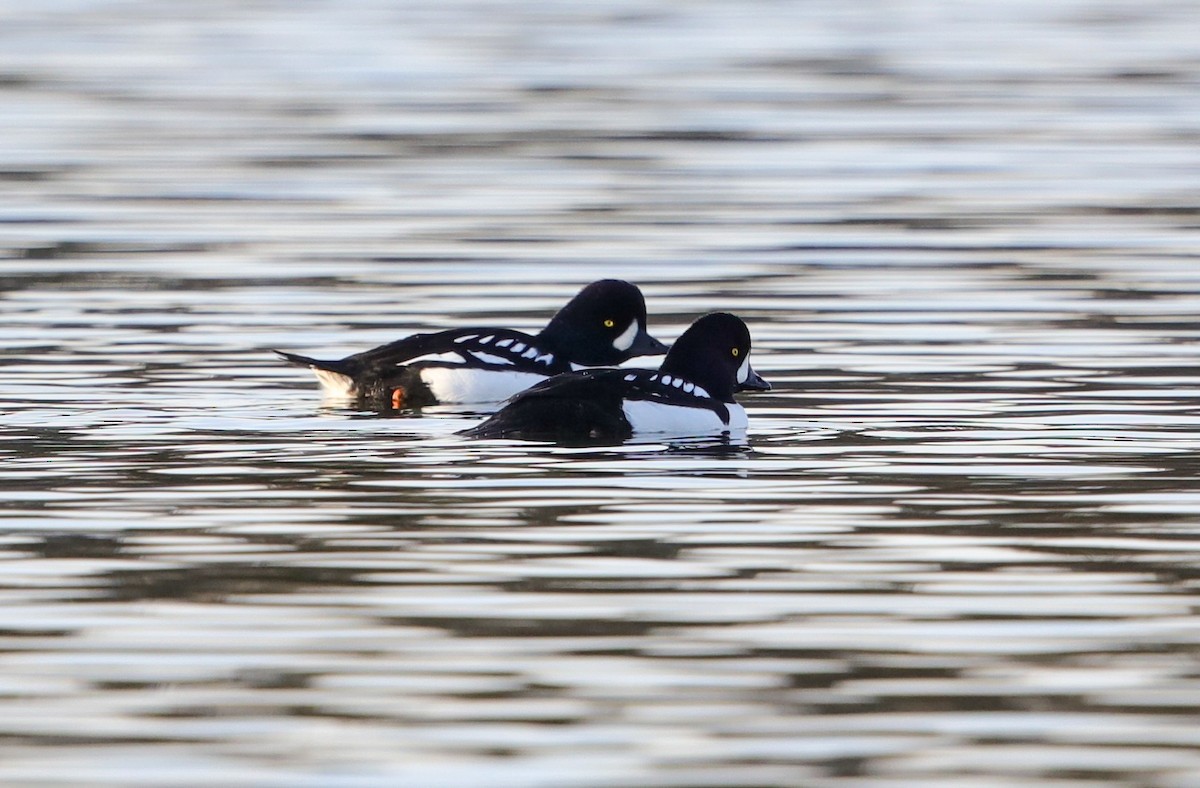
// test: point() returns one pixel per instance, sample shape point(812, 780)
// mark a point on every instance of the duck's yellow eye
point(609, 324)
point(734, 351)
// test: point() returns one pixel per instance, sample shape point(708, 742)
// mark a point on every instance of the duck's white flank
point(646, 416)
point(464, 384)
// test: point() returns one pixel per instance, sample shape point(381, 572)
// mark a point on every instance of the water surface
point(959, 547)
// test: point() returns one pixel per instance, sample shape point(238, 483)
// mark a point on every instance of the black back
point(498, 348)
point(582, 332)
point(574, 406)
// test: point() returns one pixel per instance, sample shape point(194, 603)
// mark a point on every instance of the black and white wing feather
point(484, 348)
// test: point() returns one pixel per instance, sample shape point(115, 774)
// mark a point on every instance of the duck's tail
point(336, 377)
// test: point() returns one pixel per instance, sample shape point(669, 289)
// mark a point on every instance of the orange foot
point(397, 398)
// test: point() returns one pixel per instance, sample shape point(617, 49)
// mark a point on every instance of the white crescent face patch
point(624, 341)
point(744, 370)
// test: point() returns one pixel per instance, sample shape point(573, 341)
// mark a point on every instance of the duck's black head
point(714, 353)
point(603, 325)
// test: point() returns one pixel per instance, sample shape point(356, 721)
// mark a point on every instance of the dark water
point(961, 548)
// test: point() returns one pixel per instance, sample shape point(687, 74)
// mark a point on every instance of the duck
point(691, 393)
point(603, 325)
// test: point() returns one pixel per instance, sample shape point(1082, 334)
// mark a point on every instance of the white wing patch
point(488, 358)
point(686, 386)
point(449, 357)
point(467, 355)
point(624, 341)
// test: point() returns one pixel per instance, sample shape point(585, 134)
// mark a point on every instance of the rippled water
point(961, 548)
